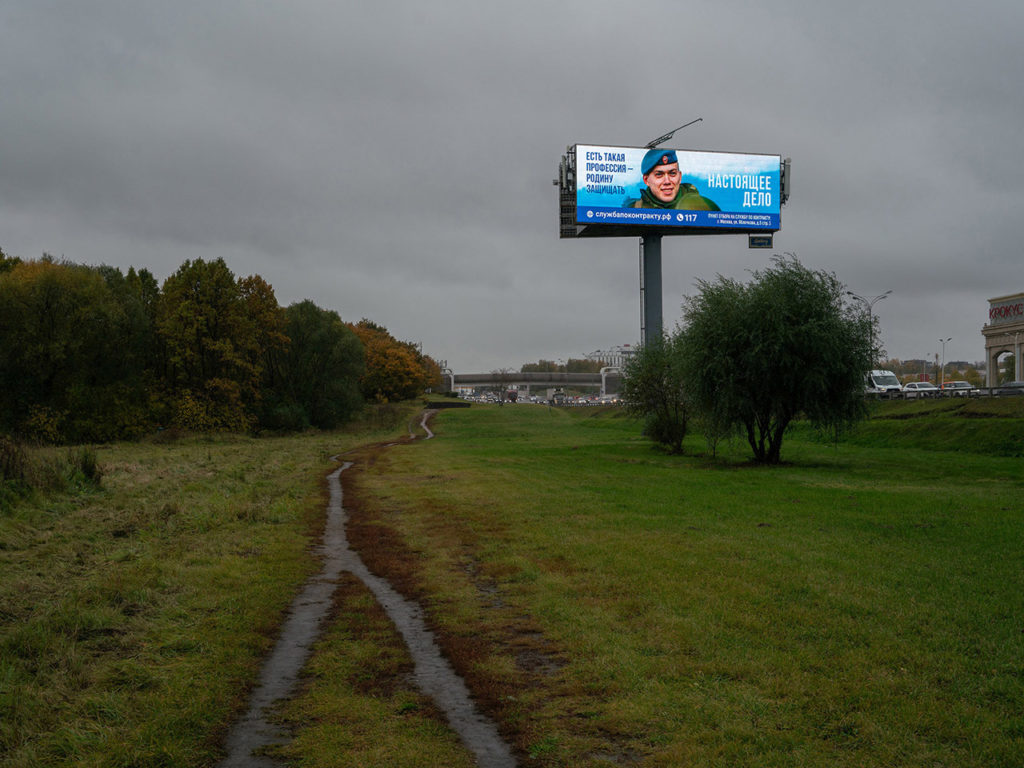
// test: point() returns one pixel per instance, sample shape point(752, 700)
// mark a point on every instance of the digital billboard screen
point(674, 188)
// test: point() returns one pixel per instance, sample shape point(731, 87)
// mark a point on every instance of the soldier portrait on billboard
point(664, 185)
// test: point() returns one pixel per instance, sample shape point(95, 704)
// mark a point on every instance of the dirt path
point(433, 673)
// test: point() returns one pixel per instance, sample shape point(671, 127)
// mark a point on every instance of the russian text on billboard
point(693, 188)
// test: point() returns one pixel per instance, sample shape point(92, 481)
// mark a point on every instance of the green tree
point(574, 365)
point(137, 294)
point(7, 263)
point(261, 332)
point(114, 402)
point(1007, 368)
point(542, 366)
point(64, 371)
point(579, 365)
point(216, 332)
point(143, 298)
point(974, 376)
point(315, 381)
point(653, 388)
point(758, 355)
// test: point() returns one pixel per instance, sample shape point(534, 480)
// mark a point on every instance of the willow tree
point(758, 355)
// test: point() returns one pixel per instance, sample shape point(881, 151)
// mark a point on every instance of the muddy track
point(434, 674)
point(500, 631)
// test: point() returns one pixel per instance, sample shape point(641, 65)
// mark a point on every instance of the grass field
point(134, 617)
point(861, 605)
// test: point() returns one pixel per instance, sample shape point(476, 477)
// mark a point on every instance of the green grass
point(987, 426)
point(360, 706)
point(861, 605)
point(134, 616)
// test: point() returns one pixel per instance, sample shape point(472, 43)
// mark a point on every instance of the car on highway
point(958, 388)
point(920, 389)
point(882, 384)
point(1010, 388)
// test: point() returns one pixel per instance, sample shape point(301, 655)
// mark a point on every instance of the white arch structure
point(1004, 333)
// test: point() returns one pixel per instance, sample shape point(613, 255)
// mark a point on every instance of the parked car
point(1010, 388)
point(958, 388)
point(920, 389)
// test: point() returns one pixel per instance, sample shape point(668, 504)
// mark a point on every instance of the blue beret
point(657, 157)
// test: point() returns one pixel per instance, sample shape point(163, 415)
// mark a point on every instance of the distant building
point(1003, 334)
point(614, 357)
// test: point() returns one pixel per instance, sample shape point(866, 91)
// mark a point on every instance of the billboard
point(626, 190)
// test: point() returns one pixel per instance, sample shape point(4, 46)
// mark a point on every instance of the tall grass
point(24, 472)
point(134, 614)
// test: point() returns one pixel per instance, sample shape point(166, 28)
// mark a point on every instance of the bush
point(665, 430)
point(12, 460)
point(84, 466)
point(218, 409)
point(285, 416)
point(43, 424)
point(653, 389)
point(13, 466)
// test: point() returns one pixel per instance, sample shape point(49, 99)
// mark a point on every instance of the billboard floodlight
point(670, 134)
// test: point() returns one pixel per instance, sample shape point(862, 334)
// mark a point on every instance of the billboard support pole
point(650, 288)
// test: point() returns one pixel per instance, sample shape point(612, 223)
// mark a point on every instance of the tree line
point(91, 354)
point(574, 365)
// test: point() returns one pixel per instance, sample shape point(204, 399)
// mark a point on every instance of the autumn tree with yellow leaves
point(395, 370)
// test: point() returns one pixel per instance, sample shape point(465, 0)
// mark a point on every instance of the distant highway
point(608, 380)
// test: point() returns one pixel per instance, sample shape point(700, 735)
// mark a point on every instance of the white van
point(882, 384)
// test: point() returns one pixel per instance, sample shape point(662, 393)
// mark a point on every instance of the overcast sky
point(394, 160)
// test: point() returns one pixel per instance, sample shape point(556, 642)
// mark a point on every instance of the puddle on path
point(433, 673)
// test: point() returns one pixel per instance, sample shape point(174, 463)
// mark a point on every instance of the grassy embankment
point(860, 606)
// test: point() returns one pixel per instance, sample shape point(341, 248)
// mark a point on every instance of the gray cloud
point(394, 161)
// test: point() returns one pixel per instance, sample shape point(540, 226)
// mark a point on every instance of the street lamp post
point(870, 304)
point(942, 370)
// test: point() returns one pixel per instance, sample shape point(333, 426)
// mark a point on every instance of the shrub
point(83, 465)
point(12, 460)
point(24, 472)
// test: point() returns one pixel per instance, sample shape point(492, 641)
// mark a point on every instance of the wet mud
point(280, 674)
